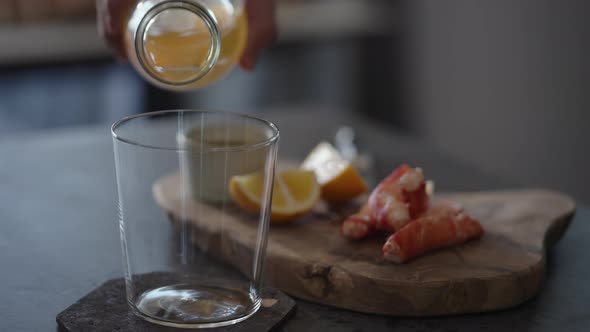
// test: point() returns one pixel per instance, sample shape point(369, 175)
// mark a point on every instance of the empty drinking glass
point(186, 261)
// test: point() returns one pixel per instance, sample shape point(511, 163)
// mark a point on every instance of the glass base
point(195, 306)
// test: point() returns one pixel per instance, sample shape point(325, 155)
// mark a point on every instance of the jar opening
point(178, 43)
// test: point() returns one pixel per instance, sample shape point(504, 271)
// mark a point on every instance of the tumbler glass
point(187, 255)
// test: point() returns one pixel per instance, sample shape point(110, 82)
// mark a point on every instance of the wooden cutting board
point(310, 260)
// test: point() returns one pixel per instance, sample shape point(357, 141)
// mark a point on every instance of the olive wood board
point(310, 260)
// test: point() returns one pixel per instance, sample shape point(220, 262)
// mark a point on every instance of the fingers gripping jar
point(185, 44)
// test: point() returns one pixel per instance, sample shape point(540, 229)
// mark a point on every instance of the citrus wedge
point(295, 193)
point(339, 180)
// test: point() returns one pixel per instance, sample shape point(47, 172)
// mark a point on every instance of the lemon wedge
point(295, 192)
point(338, 179)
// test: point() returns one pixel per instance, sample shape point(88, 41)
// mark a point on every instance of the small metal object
point(347, 143)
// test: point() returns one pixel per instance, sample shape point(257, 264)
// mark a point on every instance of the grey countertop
point(59, 236)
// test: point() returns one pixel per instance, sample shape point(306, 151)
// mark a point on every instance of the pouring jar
point(185, 44)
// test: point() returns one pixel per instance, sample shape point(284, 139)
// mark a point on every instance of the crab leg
point(359, 225)
point(399, 198)
point(441, 227)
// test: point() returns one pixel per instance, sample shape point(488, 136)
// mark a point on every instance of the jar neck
point(150, 20)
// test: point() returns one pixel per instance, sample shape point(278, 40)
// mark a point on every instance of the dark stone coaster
point(106, 309)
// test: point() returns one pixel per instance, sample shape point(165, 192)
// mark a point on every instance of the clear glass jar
point(185, 44)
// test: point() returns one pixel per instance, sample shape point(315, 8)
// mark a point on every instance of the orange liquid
point(177, 55)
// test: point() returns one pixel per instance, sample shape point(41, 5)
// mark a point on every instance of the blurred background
point(499, 84)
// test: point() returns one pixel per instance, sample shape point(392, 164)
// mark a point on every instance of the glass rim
point(246, 147)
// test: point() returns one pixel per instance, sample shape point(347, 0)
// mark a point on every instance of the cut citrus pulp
point(295, 192)
point(338, 179)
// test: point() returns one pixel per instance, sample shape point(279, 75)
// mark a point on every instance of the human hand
point(111, 16)
point(262, 31)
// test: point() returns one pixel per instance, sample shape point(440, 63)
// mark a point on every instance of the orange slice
point(295, 193)
point(339, 180)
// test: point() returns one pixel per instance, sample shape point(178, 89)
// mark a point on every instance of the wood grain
point(310, 260)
